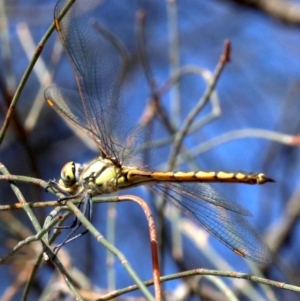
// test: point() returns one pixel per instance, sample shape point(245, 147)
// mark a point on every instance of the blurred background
point(251, 124)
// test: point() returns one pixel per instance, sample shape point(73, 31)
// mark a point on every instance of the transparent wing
point(222, 218)
point(208, 194)
point(68, 104)
point(99, 72)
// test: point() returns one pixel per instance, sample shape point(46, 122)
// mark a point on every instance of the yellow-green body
point(104, 176)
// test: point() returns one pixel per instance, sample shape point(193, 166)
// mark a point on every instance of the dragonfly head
point(70, 174)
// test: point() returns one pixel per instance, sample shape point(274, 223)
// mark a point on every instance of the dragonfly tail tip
point(270, 180)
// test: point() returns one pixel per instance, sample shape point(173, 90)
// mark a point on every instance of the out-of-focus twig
point(285, 11)
point(277, 233)
point(44, 73)
point(246, 133)
point(225, 58)
point(26, 74)
point(230, 274)
point(154, 106)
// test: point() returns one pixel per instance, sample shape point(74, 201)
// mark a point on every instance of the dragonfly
point(97, 110)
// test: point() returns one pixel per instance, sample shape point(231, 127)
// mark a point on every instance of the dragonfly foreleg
point(70, 192)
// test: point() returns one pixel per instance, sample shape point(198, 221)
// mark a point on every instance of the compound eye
point(70, 174)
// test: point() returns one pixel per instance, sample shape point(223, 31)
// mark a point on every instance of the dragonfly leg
point(74, 223)
point(63, 190)
point(87, 210)
point(54, 185)
point(58, 247)
point(69, 192)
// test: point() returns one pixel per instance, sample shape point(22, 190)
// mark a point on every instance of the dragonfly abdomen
point(197, 176)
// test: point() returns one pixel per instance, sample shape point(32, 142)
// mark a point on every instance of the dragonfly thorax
point(100, 176)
